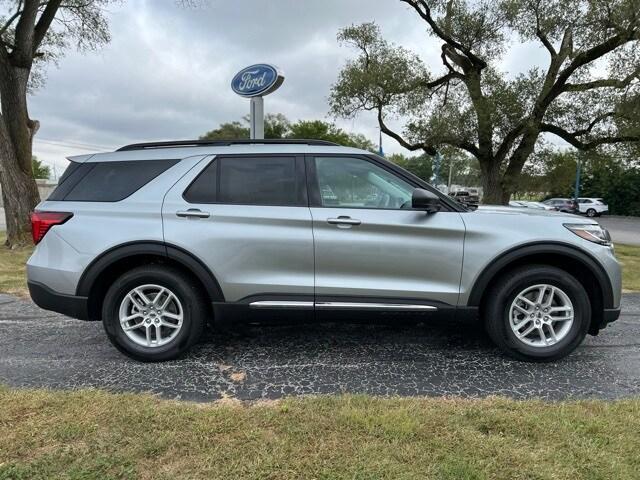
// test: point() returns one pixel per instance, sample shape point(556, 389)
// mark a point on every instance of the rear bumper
point(70, 305)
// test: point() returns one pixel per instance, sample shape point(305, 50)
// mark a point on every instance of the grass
point(92, 434)
point(629, 257)
point(12, 268)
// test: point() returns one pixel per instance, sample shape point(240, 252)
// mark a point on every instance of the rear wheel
point(154, 313)
point(591, 213)
point(537, 313)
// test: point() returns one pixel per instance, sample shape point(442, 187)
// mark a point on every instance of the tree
point(474, 107)
point(278, 126)
point(619, 185)
point(227, 131)
point(320, 130)
point(33, 32)
point(40, 170)
point(421, 166)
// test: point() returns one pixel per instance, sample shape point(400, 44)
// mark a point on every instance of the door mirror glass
point(425, 200)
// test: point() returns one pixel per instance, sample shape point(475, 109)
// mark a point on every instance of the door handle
point(193, 213)
point(343, 220)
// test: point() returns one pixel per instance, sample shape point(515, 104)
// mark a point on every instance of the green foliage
point(421, 166)
point(278, 126)
point(320, 130)
point(227, 131)
point(618, 185)
point(40, 170)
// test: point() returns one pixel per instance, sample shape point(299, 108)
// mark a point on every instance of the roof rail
point(224, 143)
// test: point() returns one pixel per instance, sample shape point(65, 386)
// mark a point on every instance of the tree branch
point(427, 147)
point(421, 7)
point(603, 83)
point(44, 22)
point(540, 34)
point(571, 138)
point(21, 54)
point(11, 19)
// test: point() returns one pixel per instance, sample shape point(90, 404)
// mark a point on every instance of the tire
point(498, 310)
point(591, 213)
point(188, 302)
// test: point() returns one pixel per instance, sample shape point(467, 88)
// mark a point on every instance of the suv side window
point(204, 189)
point(357, 183)
point(249, 180)
point(107, 181)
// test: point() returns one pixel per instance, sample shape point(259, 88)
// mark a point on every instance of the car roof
point(180, 152)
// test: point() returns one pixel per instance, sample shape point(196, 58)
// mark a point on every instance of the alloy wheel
point(151, 315)
point(541, 315)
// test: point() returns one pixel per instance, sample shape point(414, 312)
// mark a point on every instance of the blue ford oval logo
point(257, 80)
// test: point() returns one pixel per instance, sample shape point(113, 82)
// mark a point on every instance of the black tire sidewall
point(591, 213)
point(516, 283)
point(175, 281)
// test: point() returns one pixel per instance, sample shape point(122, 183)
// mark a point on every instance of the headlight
point(593, 233)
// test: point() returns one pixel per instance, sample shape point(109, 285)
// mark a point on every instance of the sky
point(166, 73)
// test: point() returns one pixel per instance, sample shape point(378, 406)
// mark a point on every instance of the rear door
point(247, 218)
point(370, 246)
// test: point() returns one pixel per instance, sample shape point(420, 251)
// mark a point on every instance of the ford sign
point(257, 80)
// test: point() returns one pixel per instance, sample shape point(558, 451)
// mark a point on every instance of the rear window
point(107, 181)
point(260, 180)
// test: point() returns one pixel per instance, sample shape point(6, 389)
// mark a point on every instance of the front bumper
point(609, 315)
point(70, 305)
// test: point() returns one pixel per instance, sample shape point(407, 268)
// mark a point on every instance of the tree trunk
point(493, 192)
point(19, 189)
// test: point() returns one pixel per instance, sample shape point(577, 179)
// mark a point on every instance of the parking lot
point(41, 349)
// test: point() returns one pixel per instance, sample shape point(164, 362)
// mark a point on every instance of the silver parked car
point(157, 239)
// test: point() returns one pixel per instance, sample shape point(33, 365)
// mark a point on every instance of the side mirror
point(425, 200)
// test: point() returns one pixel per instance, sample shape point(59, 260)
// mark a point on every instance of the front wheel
point(537, 313)
point(154, 313)
point(591, 213)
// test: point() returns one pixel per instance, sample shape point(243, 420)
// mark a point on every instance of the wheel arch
point(576, 262)
point(101, 273)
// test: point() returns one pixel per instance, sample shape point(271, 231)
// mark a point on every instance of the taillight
point(41, 222)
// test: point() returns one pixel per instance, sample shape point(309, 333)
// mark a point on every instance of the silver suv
point(157, 239)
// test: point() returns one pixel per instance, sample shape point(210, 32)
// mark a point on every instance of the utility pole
point(577, 187)
point(437, 161)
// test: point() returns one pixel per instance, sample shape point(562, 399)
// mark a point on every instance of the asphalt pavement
point(624, 230)
point(43, 349)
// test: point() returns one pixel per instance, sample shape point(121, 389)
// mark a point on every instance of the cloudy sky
point(166, 73)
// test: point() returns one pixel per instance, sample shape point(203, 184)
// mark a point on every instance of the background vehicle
point(592, 207)
point(466, 198)
point(566, 205)
point(157, 239)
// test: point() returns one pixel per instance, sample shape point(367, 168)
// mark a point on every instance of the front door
point(370, 244)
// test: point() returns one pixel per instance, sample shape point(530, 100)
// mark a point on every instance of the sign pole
point(256, 116)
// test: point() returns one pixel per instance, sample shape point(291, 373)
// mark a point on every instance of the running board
point(271, 304)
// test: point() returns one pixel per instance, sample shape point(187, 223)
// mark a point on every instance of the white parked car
point(592, 207)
